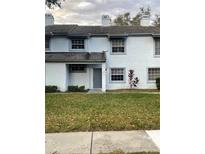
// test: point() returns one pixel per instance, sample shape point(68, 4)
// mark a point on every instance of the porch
point(65, 69)
point(92, 76)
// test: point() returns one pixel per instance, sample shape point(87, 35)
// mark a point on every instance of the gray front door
point(97, 78)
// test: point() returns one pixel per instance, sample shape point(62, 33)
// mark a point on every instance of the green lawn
point(94, 112)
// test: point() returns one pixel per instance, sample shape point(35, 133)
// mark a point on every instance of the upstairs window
point(117, 74)
point(157, 47)
point(47, 44)
point(118, 46)
point(78, 44)
point(77, 68)
point(153, 73)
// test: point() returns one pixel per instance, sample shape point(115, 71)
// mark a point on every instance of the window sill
point(156, 56)
point(117, 53)
point(151, 81)
point(78, 50)
point(117, 82)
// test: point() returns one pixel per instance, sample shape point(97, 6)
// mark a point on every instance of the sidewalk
point(106, 141)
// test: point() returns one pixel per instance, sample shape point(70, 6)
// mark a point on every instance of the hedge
point(51, 89)
point(76, 89)
point(158, 83)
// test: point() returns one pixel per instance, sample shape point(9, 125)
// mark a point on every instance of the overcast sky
point(89, 12)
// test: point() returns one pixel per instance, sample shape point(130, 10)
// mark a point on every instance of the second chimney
point(145, 21)
point(106, 20)
point(49, 19)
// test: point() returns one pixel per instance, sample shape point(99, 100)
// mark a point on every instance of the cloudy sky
point(89, 12)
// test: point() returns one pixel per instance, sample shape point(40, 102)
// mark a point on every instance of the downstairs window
point(153, 73)
point(117, 74)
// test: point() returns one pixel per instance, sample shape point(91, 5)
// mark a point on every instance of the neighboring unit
point(99, 57)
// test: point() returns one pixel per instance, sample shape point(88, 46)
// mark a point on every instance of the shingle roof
point(75, 57)
point(103, 30)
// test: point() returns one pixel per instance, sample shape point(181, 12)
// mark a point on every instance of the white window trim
point(110, 73)
point(155, 56)
point(78, 50)
point(119, 53)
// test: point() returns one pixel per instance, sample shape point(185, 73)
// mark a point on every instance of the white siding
point(56, 74)
point(58, 44)
point(85, 78)
point(139, 56)
point(80, 79)
point(98, 44)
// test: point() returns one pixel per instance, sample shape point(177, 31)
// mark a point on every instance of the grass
point(67, 112)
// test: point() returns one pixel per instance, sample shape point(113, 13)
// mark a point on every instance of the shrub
point(51, 89)
point(81, 88)
point(73, 88)
point(76, 89)
point(158, 83)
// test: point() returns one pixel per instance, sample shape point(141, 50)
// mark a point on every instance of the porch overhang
point(156, 35)
point(75, 57)
point(111, 37)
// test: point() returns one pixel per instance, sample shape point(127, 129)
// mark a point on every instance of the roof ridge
point(86, 30)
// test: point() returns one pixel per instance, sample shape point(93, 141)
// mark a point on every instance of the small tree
point(133, 81)
point(126, 19)
point(157, 20)
point(53, 3)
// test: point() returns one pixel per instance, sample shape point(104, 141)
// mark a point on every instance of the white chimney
point(106, 20)
point(145, 21)
point(49, 19)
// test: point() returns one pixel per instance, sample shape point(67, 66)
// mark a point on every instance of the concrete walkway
point(106, 141)
point(155, 136)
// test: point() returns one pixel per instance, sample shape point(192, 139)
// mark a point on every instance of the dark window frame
point(157, 47)
point(153, 73)
point(117, 74)
point(118, 46)
point(77, 68)
point(78, 44)
point(47, 43)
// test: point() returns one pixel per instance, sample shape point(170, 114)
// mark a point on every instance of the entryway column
point(103, 77)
